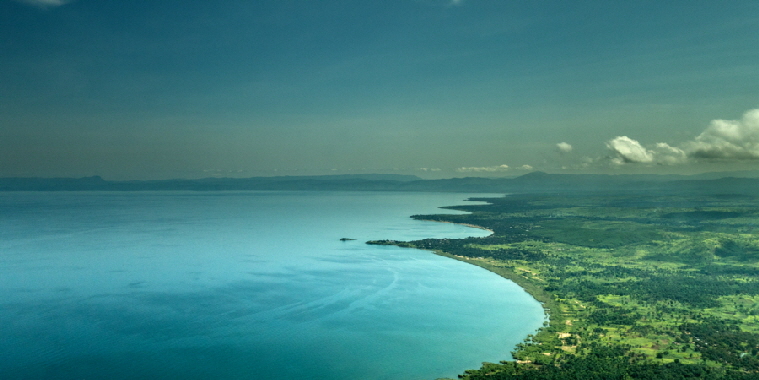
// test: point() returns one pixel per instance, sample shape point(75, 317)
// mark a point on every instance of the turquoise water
point(244, 285)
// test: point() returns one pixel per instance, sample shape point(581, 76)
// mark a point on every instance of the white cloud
point(627, 150)
point(493, 169)
point(669, 155)
point(564, 147)
point(490, 169)
point(45, 3)
point(722, 140)
point(728, 139)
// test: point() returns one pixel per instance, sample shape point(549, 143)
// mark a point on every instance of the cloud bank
point(729, 139)
point(45, 3)
point(724, 140)
point(493, 169)
point(486, 169)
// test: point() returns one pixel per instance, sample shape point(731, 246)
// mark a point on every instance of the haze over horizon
point(434, 88)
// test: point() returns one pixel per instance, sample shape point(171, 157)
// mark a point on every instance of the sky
point(435, 88)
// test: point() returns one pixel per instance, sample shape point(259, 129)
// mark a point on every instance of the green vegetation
point(637, 287)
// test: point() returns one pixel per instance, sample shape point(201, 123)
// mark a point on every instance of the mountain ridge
point(531, 182)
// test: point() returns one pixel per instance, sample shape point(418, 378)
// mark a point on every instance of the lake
point(244, 285)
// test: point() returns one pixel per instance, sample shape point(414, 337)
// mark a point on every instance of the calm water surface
point(243, 285)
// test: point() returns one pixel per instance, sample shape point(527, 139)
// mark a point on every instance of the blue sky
point(189, 89)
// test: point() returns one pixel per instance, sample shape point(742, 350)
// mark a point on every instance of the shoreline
point(460, 224)
point(540, 295)
point(546, 300)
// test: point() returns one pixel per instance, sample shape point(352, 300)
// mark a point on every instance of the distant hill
point(735, 174)
point(535, 182)
point(343, 177)
point(52, 184)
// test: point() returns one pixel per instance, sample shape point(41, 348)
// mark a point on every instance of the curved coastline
point(546, 300)
point(461, 224)
point(538, 293)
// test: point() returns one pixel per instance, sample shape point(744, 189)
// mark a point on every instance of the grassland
point(636, 286)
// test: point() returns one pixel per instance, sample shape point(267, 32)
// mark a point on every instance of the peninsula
point(654, 285)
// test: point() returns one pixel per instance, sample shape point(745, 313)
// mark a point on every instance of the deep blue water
point(243, 285)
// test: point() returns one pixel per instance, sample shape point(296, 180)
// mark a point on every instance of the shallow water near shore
point(244, 285)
